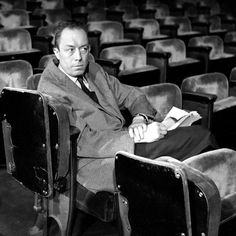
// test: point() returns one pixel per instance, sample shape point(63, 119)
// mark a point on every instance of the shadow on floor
point(17, 215)
point(16, 207)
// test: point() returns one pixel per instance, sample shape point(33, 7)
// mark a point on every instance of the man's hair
point(65, 25)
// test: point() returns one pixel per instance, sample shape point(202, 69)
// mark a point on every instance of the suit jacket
point(101, 125)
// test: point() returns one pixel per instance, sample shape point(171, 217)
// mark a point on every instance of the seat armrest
point(43, 43)
point(198, 23)
point(80, 16)
point(228, 21)
point(94, 40)
point(223, 159)
point(202, 49)
point(232, 83)
point(230, 44)
point(115, 15)
point(36, 39)
point(201, 53)
point(134, 33)
point(169, 26)
point(165, 55)
point(43, 38)
point(111, 66)
point(202, 103)
point(37, 70)
point(201, 97)
point(94, 33)
point(160, 60)
point(203, 27)
point(177, 11)
point(147, 13)
point(171, 30)
point(37, 20)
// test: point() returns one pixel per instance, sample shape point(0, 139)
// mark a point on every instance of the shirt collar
point(74, 79)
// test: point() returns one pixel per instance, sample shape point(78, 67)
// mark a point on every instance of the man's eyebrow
point(69, 46)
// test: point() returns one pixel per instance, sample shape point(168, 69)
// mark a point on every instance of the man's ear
point(56, 52)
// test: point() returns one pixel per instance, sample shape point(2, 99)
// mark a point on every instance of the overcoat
point(102, 131)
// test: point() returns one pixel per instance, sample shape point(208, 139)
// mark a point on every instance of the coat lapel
point(72, 88)
point(107, 105)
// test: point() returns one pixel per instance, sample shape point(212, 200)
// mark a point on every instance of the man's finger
point(141, 132)
point(131, 132)
point(136, 133)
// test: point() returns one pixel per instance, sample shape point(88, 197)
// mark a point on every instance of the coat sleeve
point(130, 97)
point(104, 144)
point(99, 143)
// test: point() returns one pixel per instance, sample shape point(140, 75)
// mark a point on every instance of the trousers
point(179, 143)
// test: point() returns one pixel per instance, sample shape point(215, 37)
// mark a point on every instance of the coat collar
point(61, 79)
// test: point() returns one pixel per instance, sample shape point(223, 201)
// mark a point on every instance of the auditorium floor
point(17, 214)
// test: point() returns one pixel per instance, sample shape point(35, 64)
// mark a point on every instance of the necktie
point(91, 94)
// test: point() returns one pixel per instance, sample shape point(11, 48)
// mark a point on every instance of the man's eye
point(84, 49)
point(70, 49)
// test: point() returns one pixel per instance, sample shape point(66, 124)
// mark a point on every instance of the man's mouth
point(79, 66)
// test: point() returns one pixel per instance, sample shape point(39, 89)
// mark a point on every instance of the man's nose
point(77, 54)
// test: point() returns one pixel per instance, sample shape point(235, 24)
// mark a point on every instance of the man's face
point(72, 52)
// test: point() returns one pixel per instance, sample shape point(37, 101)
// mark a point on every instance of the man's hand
point(137, 128)
point(139, 131)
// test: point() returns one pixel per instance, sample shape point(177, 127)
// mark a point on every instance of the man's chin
point(78, 73)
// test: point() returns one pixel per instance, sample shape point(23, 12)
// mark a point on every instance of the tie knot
point(80, 79)
point(91, 94)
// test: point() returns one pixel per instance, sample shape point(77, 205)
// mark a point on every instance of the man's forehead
point(76, 36)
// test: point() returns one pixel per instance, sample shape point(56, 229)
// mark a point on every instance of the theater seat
point(232, 82)
point(44, 38)
point(129, 64)
point(230, 42)
point(33, 81)
point(230, 37)
point(130, 11)
point(53, 4)
point(224, 108)
point(164, 96)
point(17, 44)
point(16, 18)
point(96, 14)
point(154, 10)
point(210, 49)
point(112, 33)
point(14, 73)
point(171, 56)
point(169, 197)
point(151, 29)
point(209, 25)
point(53, 16)
point(184, 27)
point(41, 155)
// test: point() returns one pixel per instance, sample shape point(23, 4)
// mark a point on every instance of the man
point(101, 122)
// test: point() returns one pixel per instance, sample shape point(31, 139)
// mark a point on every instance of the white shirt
point(74, 79)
